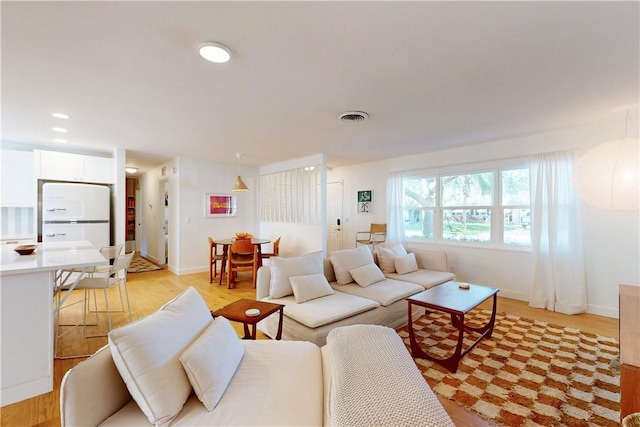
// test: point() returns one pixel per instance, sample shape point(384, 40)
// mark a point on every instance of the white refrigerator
point(76, 212)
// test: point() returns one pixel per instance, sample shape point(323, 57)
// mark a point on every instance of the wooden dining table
point(225, 243)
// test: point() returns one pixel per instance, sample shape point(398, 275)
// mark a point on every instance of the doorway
point(334, 216)
point(164, 187)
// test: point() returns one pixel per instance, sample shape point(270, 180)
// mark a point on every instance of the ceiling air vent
point(353, 116)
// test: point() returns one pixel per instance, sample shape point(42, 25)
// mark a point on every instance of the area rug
point(140, 265)
point(529, 373)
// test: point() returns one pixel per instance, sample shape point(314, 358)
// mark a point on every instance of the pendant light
point(239, 184)
point(607, 176)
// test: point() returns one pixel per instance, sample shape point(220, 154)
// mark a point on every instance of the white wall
point(611, 238)
point(119, 196)
point(189, 180)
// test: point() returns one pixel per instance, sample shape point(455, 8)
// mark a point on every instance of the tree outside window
point(468, 199)
point(460, 207)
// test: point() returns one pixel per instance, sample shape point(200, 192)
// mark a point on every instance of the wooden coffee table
point(236, 312)
point(449, 298)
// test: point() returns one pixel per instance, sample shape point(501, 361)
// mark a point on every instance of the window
point(419, 202)
point(515, 207)
point(485, 207)
point(467, 202)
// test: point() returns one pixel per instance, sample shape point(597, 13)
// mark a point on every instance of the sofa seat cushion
point(277, 383)
point(325, 310)
point(385, 292)
point(425, 278)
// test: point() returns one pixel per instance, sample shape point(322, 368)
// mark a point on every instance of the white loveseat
point(345, 301)
point(179, 367)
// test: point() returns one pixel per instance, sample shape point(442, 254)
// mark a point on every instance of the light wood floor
point(149, 291)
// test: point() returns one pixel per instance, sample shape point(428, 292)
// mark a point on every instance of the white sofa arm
point(431, 260)
point(263, 282)
point(92, 391)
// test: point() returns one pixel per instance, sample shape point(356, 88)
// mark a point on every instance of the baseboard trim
point(520, 296)
point(603, 311)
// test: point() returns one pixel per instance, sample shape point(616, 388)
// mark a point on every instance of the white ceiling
point(430, 75)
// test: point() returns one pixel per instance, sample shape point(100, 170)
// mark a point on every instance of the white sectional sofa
point(180, 367)
point(377, 297)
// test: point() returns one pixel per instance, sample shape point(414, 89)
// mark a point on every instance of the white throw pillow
point(406, 263)
point(348, 259)
point(367, 275)
point(283, 268)
point(147, 351)
point(211, 361)
point(387, 255)
point(312, 286)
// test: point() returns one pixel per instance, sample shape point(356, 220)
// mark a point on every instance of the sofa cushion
point(278, 383)
point(385, 292)
point(325, 310)
point(387, 255)
point(146, 353)
point(283, 268)
point(211, 361)
point(348, 259)
point(312, 286)
point(406, 263)
point(367, 275)
point(426, 278)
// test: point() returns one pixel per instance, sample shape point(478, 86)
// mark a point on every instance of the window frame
point(496, 209)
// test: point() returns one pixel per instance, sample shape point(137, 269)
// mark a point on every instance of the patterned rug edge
point(554, 386)
point(140, 264)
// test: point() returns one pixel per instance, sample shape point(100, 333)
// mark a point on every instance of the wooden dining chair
point(214, 257)
point(243, 256)
point(276, 250)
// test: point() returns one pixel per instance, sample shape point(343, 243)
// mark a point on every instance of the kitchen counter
point(27, 314)
point(48, 257)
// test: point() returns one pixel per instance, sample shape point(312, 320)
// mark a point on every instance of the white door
point(334, 216)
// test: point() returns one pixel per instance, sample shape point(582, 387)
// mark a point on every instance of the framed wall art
point(219, 205)
point(365, 202)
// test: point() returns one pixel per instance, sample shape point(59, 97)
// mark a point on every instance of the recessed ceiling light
point(60, 116)
point(214, 52)
point(131, 170)
point(62, 130)
point(60, 140)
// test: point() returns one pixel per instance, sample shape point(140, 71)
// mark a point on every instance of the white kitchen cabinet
point(73, 167)
point(18, 186)
point(27, 314)
point(98, 169)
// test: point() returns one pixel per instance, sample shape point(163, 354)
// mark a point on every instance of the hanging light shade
point(607, 176)
point(239, 185)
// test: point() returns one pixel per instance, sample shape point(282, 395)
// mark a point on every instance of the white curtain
point(395, 217)
point(556, 241)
